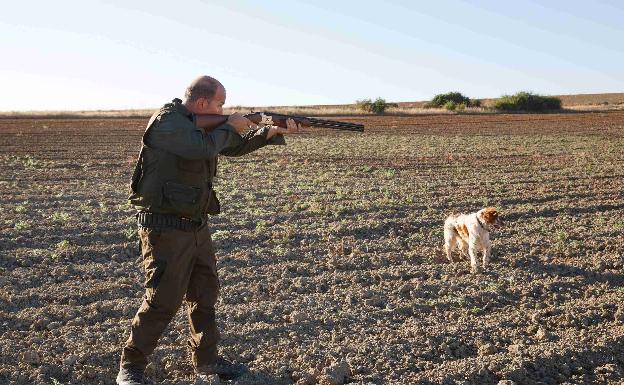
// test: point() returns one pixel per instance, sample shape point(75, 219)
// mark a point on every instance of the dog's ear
point(489, 215)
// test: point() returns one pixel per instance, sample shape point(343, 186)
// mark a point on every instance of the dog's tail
point(449, 224)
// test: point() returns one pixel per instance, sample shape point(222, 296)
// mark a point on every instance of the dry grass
point(584, 102)
point(581, 102)
point(340, 110)
point(138, 113)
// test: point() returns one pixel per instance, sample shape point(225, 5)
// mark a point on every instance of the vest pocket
point(177, 192)
point(181, 199)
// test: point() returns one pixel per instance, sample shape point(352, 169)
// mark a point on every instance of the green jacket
point(178, 160)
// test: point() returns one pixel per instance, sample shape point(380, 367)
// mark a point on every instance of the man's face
point(212, 106)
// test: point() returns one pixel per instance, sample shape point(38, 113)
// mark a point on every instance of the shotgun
point(210, 121)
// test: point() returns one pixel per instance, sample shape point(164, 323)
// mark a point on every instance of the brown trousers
point(179, 265)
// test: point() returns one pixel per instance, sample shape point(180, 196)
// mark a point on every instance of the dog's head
point(490, 216)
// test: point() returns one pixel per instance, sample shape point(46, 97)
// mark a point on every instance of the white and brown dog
point(471, 233)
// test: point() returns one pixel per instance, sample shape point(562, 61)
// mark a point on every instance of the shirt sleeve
point(252, 141)
point(177, 134)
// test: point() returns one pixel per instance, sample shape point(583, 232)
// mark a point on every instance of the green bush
point(377, 107)
point(527, 101)
point(450, 105)
point(441, 100)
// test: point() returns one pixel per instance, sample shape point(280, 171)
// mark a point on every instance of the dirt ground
point(330, 253)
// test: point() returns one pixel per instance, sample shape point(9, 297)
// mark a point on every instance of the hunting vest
point(165, 183)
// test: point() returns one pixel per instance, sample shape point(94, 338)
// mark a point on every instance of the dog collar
point(479, 221)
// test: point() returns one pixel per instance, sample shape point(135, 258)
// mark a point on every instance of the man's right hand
point(240, 123)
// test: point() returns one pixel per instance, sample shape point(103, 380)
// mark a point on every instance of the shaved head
point(203, 87)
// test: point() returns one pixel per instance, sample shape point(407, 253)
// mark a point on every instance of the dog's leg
point(487, 252)
point(449, 246)
point(450, 241)
point(463, 248)
point(472, 251)
point(448, 251)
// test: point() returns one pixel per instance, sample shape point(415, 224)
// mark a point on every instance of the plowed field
point(330, 253)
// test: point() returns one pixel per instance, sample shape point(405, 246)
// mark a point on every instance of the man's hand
point(240, 123)
point(292, 128)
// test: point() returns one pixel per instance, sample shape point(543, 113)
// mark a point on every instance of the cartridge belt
point(154, 220)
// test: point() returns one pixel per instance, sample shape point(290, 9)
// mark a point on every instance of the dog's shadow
point(458, 257)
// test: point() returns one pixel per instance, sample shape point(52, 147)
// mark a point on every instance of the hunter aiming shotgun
point(210, 121)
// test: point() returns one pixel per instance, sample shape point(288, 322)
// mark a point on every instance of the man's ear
point(200, 104)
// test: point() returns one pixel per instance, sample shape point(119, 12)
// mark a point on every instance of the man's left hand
point(291, 128)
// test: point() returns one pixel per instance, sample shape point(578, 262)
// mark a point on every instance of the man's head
point(205, 95)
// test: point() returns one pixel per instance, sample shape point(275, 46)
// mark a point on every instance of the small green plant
point(491, 286)
point(562, 236)
point(367, 169)
point(562, 242)
point(21, 208)
point(527, 101)
point(388, 172)
point(63, 245)
point(130, 233)
point(127, 207)
point(63, 249)
point(84, 208)
point(37, 252)
point(221, 234)
point(261, 227)
point(459, 301)
point(22, 225)
point(60, 216)
point(476, 310)
point(31, 163)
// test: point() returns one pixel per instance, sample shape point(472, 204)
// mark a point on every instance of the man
point(172, 191)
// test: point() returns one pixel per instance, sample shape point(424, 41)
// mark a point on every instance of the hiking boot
point(130, 375)
point(223, 368)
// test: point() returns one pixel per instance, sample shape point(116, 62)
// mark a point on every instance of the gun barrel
point(336, 125)
point(339, 126)
point(314, 122)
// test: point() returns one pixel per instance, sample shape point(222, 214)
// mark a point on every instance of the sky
point(114, 54)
